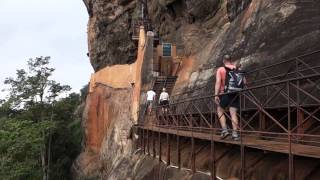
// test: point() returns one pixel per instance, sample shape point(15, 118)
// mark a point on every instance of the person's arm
point(217, 86)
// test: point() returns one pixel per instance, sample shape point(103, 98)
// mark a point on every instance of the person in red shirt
point(226, 100)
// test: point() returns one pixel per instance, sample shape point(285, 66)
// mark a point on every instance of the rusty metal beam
point(148, 143)
point(201, 115)
point(193, 155)
point(178, 152)
point(266, 113)
point(143, 142)
point(260, 108)
point(301, 120)
point(213, 160)
point(168, 150)
point(243, 162)
point(160, 146)
point(154, 153)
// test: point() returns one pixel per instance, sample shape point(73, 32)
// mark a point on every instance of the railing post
point(140, 137)
point(300, 115)
point(242, 148)
point(193, 166)
point(148, 144)
point(178, 140)
point(291, 162)
point(159, 135)
point(212, 147)
point(300, 119)
point(262, 124)
point(143, 142)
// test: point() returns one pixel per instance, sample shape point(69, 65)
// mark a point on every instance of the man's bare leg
point(235, 122)
point(149, 109)
point(234, 118)
point(222, 117)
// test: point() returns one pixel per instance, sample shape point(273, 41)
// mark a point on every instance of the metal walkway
point(279, 113)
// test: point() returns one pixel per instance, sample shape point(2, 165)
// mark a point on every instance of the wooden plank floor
point(281, 147)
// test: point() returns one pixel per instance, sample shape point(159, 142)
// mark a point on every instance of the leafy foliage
point(34, 85)
point(67, 138)
point(20, 144)
point(40, 134)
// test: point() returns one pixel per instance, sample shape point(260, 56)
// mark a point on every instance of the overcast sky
point(56, 28)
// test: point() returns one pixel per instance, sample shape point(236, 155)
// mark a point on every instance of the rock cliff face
point(252, 31)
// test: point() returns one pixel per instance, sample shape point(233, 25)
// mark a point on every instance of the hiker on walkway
point(164, 100)
point(151, 98)
point(228, 80)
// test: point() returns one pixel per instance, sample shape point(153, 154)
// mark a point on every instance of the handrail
point(256, 86)
point(253, 87)
point(290, 73)
point(259, 69)
point(284, 61)
point(259, 106)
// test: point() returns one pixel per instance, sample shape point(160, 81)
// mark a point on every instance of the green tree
point(32, 97)
point(66, 141)
point(20, 146)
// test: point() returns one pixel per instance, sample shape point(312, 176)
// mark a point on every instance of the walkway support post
point(168, 149)
point(193, 155)
point(154, 153)
point(290, 157)
point(160, 146)
point(213, 160)
point(242, 148)
point(143, 142)
point(178, 152)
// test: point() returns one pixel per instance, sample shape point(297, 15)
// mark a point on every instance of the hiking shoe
point(224, 134)
point(235, 136)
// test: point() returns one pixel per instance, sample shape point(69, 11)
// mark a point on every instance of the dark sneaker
point(224, 134)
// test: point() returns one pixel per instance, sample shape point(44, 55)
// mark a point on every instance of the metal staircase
point(164, 82)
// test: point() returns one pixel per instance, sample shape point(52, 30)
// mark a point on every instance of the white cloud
point(56, 28)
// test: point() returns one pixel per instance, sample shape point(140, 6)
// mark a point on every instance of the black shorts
point(164, 103)
point(230, 100)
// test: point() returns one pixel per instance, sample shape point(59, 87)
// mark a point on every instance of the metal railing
point(298, 66)
point(293, 124)
point(282, 109)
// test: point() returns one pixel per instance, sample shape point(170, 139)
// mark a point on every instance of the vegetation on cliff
point(40, 132)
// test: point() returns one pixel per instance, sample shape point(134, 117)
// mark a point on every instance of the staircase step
point(164, 82)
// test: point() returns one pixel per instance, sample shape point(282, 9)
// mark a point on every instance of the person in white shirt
point(164, 100)
point(151, 97)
